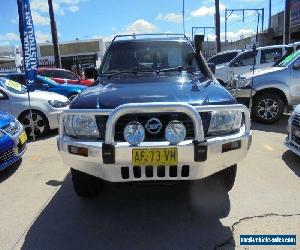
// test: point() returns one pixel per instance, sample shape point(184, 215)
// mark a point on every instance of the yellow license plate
point(23, 138)
point(155, 156)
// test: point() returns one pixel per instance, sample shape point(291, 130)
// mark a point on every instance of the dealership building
point(82, 53)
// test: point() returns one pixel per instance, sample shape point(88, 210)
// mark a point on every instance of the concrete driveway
point(39, 209)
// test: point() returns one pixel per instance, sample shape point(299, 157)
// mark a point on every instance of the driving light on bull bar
point(225, 121)
point(175, 132)
point(134, 133)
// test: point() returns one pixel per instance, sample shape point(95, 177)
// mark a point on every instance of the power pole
point(54, 35)
point(270, 13)
point(217, 24)
point(287, 22)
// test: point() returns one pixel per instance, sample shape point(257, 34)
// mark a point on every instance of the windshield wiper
point(178, 68)
point(130, 71)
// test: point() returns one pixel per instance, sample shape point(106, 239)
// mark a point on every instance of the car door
point(241, 64)
point(5, 104)
point(269, 56)
point(295, 81)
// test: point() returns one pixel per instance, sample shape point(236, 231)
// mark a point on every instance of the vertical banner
point(30, 59)
point(28, 41)
point(294, 12)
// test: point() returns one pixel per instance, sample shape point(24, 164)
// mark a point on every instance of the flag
point(28, 41)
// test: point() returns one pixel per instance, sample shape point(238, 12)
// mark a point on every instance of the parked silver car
point(275, 89)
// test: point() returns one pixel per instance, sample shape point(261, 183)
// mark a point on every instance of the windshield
point(286, 61)
point(149, 56)
point(12, 86)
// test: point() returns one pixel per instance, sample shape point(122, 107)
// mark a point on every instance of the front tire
point(226, 177)
point(85, 185)
point(40, 123)
point(268, 108)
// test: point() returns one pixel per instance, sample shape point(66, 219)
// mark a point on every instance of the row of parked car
point(273, 80)
point(54, 90)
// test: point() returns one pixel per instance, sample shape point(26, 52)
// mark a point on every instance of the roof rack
point(149, 34)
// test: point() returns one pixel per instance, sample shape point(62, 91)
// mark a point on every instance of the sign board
point(294, 12)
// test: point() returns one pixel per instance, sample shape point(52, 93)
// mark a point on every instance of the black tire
point(268, 108)
point(85, 185)
point(226, 177)
point(41, 126)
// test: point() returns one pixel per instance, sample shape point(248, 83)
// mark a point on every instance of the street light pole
point(54, 35)
point(183, 16)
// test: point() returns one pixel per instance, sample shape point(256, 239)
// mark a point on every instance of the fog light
point(175, 132)
point(231, 146)
point(78, 151)
point(134, 133)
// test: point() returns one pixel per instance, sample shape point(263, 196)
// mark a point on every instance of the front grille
point(150, 172)
point(296, 121)
point(11, 129)
point(6, 156)
point(164, 118)
point(296, 124)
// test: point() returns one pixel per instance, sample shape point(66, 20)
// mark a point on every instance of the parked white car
point(265, 57)
point(292, 141)
point(46, 106)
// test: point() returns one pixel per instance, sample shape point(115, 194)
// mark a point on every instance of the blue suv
point(157, 114)
point(12, 140)
point(46, 84)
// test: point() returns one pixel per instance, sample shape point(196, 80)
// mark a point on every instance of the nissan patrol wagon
point(157, 114)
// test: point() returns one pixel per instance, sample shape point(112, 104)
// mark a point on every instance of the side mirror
point(296, 66)
point(212, 67)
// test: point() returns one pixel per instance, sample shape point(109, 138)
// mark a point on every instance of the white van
point(265, 57)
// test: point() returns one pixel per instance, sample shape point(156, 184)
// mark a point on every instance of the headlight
point(175, 132)
point(224, 122)
point(134, 133)
point(83, 126)
point(243, 82)
point(58, 104)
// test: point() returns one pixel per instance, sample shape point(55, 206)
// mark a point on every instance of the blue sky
point(86, 19)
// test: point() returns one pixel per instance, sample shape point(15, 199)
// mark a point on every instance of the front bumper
point(294, 147)
point(17, 151)
point(53, 118)
point(215, 159)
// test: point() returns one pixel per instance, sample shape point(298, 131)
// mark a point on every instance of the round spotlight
point(134, 133)
point(175, 132)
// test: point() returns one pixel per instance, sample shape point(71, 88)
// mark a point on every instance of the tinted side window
point(270, 55)
point(224, 58)
point(65, 75)
point(246, 59)
point(46, 73)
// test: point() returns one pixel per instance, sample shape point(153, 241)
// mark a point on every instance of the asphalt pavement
point(39, 209)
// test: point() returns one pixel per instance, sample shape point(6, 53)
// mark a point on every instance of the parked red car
point(63, 76)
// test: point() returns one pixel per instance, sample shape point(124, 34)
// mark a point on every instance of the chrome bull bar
point(156, 107)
